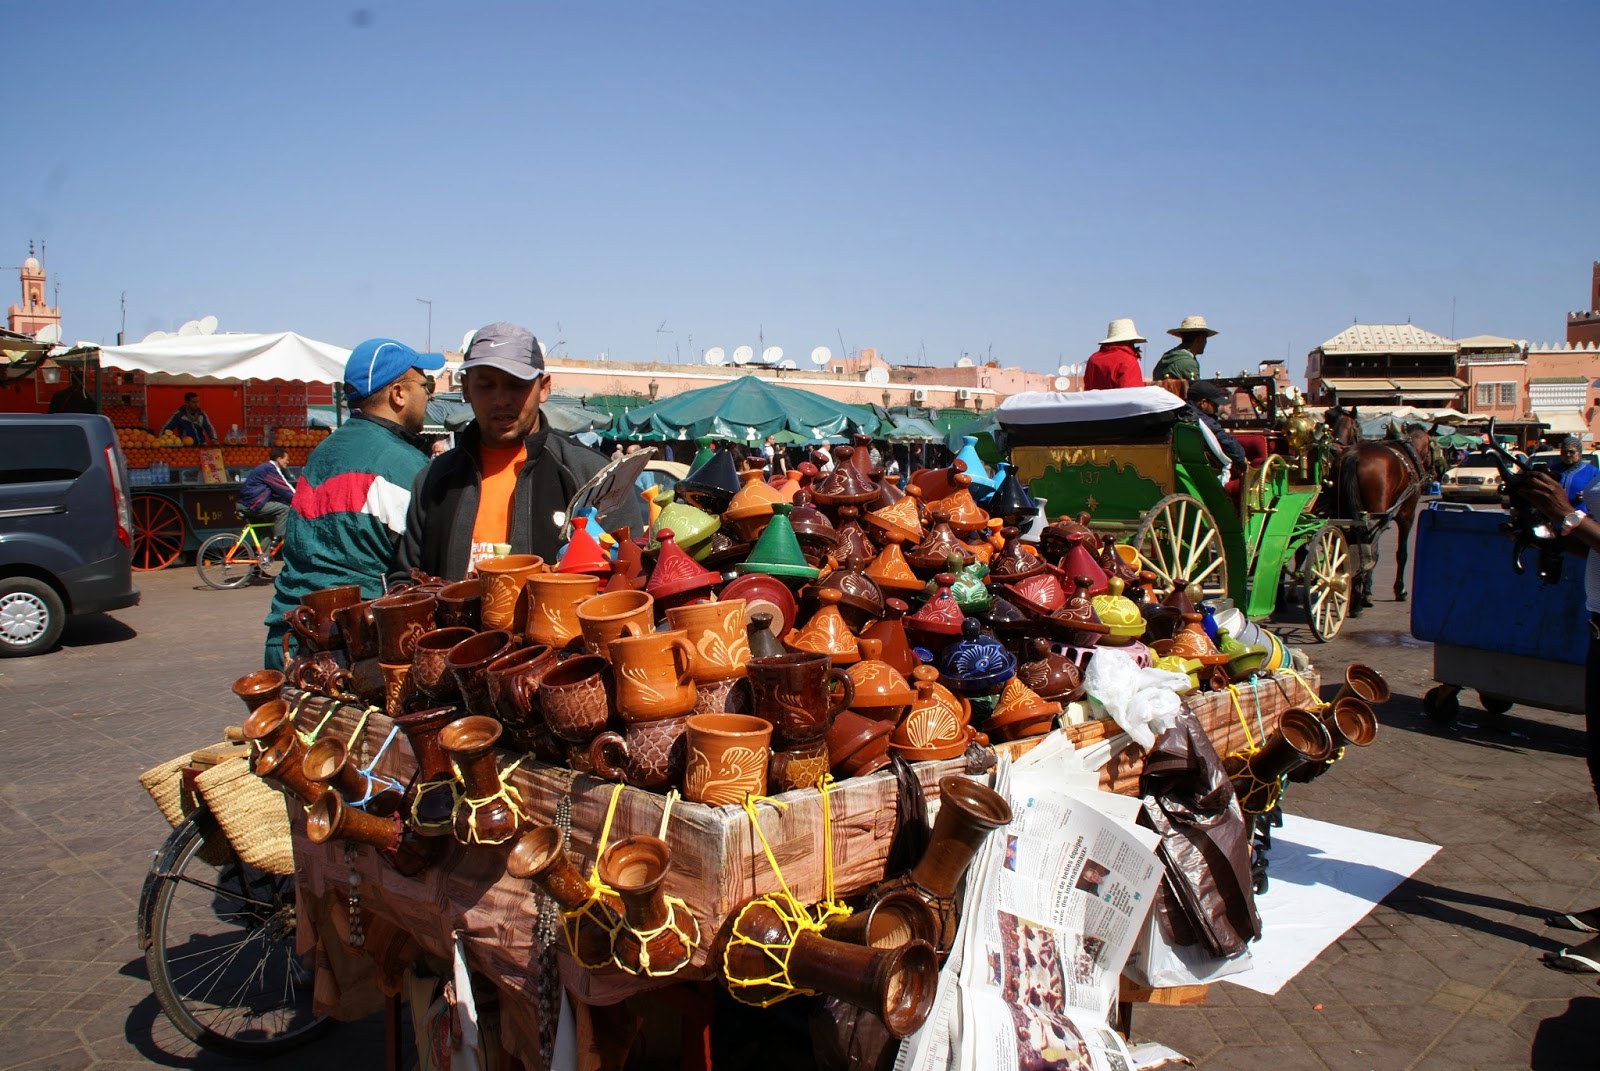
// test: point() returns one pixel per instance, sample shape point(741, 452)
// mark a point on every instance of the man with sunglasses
point(510, 478)
point(349, 508)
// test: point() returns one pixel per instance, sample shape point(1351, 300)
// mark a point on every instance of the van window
point(42, 452)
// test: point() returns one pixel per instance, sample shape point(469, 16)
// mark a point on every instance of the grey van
point(66, 535)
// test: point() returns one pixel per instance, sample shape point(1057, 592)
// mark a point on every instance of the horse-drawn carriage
point(1153, 480)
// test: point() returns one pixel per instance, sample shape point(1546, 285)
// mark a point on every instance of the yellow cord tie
point(1315, 701)
point(507, 793)
point(1249, 739)
point(1258, 796)
point(294, 716)
point(830, 907)
point(678, 914)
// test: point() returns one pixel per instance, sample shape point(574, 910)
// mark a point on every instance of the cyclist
point(266, 495)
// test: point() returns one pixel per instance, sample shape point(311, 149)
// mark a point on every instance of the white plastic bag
point(1143, 702)
point(1157, 964)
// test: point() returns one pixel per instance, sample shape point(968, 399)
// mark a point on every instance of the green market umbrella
point(749, 409)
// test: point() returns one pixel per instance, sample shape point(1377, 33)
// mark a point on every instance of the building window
point(1508, 394)
point(1485, 395)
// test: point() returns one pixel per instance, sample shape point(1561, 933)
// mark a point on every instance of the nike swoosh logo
point(496, 345)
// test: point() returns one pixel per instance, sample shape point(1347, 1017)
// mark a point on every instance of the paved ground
point(1443, 975)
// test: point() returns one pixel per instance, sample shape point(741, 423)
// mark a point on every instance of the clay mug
point(430, 675)
point(650, 755)
point(726, 758)
point(513, 681)
point(801, 766)
point(460, 605)
point(469, 659)
point(503, 578)
point(792, 692)
point(716, 632)
point(552, 601)
point(1364, 683)
point(396, 687)
point(312, 620)
point(576, 699)
point(401, 621)
point(318, 671)
point(262, 686)
point(653, 676)
point(357, 630)
point(616, 613)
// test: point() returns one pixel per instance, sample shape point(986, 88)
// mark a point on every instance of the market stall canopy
point(280, 355)
point(913, 430)
point(749, 409)
point(447, 412)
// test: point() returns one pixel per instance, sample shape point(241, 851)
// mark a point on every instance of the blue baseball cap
point(378, 362)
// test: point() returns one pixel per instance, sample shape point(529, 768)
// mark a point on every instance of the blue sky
point(928, 179)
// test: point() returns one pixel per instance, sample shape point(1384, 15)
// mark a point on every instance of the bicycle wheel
point(224, 562)
point(219, 946)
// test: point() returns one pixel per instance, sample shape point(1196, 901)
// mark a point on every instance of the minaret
point(33, 315)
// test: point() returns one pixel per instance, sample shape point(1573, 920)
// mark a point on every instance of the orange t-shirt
point(500, 465)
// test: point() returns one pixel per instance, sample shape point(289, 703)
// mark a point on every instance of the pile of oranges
point(124, 416)
point(143, 448)
point(301, 437)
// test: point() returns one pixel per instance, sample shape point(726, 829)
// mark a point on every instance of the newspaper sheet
point(1054, 902)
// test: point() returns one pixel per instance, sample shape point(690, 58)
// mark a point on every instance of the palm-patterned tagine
point(891, 573)
point(827, 633)
point(1020, 712)
point(898, 523)
point(881, 692)
point(777, 552)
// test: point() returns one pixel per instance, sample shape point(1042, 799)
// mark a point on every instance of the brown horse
point(1374, 483)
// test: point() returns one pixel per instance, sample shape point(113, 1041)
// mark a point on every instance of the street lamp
point(428, 303)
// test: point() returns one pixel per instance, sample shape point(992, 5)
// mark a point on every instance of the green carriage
point(1151, 480)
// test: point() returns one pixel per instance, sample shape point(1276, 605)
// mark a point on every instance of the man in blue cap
point(349, 508)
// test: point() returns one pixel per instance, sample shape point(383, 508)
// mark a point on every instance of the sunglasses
point(427, 380)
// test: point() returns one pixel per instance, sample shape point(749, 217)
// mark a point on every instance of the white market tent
point(230, 358)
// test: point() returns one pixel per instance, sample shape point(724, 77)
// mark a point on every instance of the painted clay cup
point(552, 607)
point(650, 755)
point(503, 578)
point(513, 681)
point(801, 766)
point(576, 699)
point(727, 758)
point(358, 630)
point(469, 659)
point(460, 605)
point(430, 673)
point(730, 696)
point(262, 686)
point(653, 676)
point(616, 613)
point(716, 632)
point(397, 688)
point(792, 692)
point(402, 619)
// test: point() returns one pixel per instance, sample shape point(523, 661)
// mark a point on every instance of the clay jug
point(430, 798)
point(258, 688)
point(327, 762)
point(792, 692)
point(1300, 739)
point(658, 938)
point(1364, 683)
point(552, 607)
point(503, 577)
point(759, 637)
point(538, 856)
point(488, 812)
point(895, 983)
point(892, 920)
point(402, 620)
point(279, 750)
point(726, 758)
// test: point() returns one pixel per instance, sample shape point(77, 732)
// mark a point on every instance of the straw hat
point(1122, 331)
point(1192, 325)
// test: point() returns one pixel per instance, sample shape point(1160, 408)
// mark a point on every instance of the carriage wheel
point(158, 532)
point(1327, 581)
point(1178, 540)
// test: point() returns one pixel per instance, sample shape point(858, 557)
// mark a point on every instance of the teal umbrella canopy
point(748, 410)
point(448, 412)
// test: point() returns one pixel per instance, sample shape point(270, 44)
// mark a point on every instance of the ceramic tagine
point(712, 485)
point(1008, 622)
point(933, 729)
point(969, 589)
point(1120, 614)
point(939, 621)
point(860, 598)
point(978, 665)
point(1014, 562)
point(890, 632)
point(899, 523)
point(854, 547)
point(691, 526)
point(1020, 712)
point(1052, 675)
point(1080, 561)
point(846, 485)
point(827, 633)
point(676, 580)
point(812, 528)
point(751, 508)
point(1075, 620)
point(583, 554)
point(891, 573)
point(966, 517)
point(627, 568)
point(777, 552)
point(1010, 501)
point(932, 555)
point(1191, 641)
point(880, 690)
point(1055, 538)
point(982, 483)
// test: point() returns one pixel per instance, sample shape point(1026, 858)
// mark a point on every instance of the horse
point(1381, 480)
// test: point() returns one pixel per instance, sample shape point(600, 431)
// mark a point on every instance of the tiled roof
point(1387, 338)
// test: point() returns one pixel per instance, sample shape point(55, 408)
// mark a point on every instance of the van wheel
point(31, 616)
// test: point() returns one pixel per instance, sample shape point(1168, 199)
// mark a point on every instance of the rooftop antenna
point(661, 330)
point(123, 329)
point(844, 351)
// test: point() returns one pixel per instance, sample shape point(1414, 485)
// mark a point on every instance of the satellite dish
point(789, 364)
point(821, 355)
point(772, 355)
point(190, 327)
point(965, 362)
point(48, 333)
point(208, 325)
point(743, 354)
point(155, 336)
point(1062, 383)
point(715, 356)
point(877, 376)
point(1064, 370)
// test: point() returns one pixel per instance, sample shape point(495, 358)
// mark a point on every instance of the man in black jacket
point(509, 479)
point(1205, 398)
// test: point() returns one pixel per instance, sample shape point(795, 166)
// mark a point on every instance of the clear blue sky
point(923, 178)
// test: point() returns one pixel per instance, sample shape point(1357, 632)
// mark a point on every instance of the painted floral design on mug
point(726, 779)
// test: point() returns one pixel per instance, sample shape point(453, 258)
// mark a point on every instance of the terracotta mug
point(513, 681)
point(430, 674)
point(576, 699)
point(653, 676)
point(503, 578)
point(651, 755)
point(616, 613)
point(396, 687)
point(460, 605)
point(792, 692)
point(319, 671)
point(801, 766)
point(358, 630)
point(326, 600)
point(402, 619)
point(552, 601)
point(726, 758)
point(262, 686)
point(314, 633)
point(469, 659)
point(716, 632)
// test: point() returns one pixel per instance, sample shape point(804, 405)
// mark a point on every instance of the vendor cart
point(1147, 477)
point(1511, 637)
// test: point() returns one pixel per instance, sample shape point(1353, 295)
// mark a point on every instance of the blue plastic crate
point(1465, 593)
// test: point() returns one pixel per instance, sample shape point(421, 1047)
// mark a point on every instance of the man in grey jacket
point(509, 479)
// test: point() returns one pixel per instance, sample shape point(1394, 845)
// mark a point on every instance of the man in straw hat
point(1116, 362)
point(1182, 360)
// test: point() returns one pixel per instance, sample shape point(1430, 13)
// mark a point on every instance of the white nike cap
point(510, 348)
